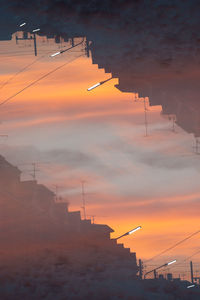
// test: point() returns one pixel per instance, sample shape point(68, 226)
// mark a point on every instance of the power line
point(37, 80)
point(187, 258)
point(20, 71)
point(32, 63)
point(15, 55)
point(192, 255)
point(172, 247)
point(28, 54)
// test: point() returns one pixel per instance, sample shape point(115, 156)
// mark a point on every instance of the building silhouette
point(30, 217)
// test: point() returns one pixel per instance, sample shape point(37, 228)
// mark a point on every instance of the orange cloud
point(58, 110)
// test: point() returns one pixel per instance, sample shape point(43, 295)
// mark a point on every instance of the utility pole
point(87, 51)
point(25, 37)
point(72, 42)
point(83, 198)
point(191, 271)
point(154, 270)
point(140, 269)
point(35, 45)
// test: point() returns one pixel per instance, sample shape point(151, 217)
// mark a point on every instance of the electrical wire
point(192, 255)
point(37, 80)
point(36, 60)
point(180, 263)
point(172, 247)
point(20, 71)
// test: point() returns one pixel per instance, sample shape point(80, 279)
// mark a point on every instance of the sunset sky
point(99, 137)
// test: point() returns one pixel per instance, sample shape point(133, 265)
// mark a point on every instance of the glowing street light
point(94, 86)
point(137, 228)
point(129, 232)
point(98, 84)
point(35, 30)
point(54, 54)
point(62, 51)
point(21, 25)
point(190, 286)
point(154, 270)
point(171, 262)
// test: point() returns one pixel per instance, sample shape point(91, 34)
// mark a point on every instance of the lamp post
point(62, 51)
point(36, 30)
point(22, 24)
point(98, 84)
point(190, 286)
point(154, 270)
point(129, 232)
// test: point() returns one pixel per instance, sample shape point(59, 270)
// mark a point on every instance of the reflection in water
point(132, 139)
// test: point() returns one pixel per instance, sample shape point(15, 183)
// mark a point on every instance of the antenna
point(56, 192)
point(196, 147)
point(173, 124)
point(173, 119)
point(83, 198)
point(92, 218)
point(135, 97)
point(145, 117)
point(34, 171)
point(56, 187)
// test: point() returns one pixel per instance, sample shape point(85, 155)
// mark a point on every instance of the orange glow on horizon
point(63, 97)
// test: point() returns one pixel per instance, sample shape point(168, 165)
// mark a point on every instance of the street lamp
point(98, 84)
point(35, 30)
point(154, 270)
point(172, 262)
point(190, 286)
point(129, 232)
point(23, 24)
point(62, 51)
point(57, 53)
